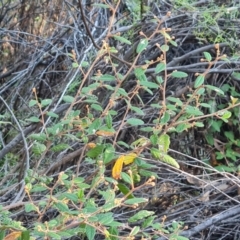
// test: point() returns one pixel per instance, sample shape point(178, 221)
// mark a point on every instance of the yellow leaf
point(105, 133)
point(234, 100)
point(129, 158)
point(91, 145)
point(13, 236)
point(117, 168)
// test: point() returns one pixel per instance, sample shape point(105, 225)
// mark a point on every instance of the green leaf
point(46, 102)
point(164, 142)
point(218, 90)
point(142, 45)
point(95, 152)
point(199, 81)
point(97, 107)
point(122, 92)
point(154, 139)
point(236, 75)
point(38, 136)
point(52, 114)
point(108, 154)
point(140, 215)
point(165, 118)
point(180, 238)
point(169, 160)
point(68, 99)
point(106, 77)
point(159, 79)
point(139, 111)
point(54, 235)
point(135, 121)
point(108, 120)
point(156, 153)
point(160, 67)
point(134, 231)
point(30, 207)
point(164, 48)
point(25, 235)
point(182, 127)
point(94, 126)
point(140, 74)
point(148, 222)
point(226, 115)
point(229, 135)
point(198, 124)
point(70, 196)
point(178, 74)
point(84, 64)
point(75, 65)
point(176, 100)
point(60, 147)
point(149, 84)
point(38, 188)
point(32, 103)
point(122, 39)
point(62, 207)
point(136, 201)
point(173, 43)
point(206, 105)
point(100, 5)
point(126, 178)
point(125, 190)
point(38, 148)
point(105, 218)
point(193, 111)
point(33, 119)
point(207, 56)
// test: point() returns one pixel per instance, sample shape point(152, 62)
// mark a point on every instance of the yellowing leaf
point(105, 133)
point(91, 145)
point(126, 159)
point(129, 158)
point(117, 168)
point(234, 100)
point(13, 236)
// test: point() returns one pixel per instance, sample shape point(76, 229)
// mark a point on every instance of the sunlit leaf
point(117, 168)
point(142, 45)
point(91, 145)
point(164, 142)
point(105, 133)
point(13, 236)
point(129, 158)
point(46, 102)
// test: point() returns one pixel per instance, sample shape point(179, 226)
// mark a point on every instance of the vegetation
point(119, 120)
